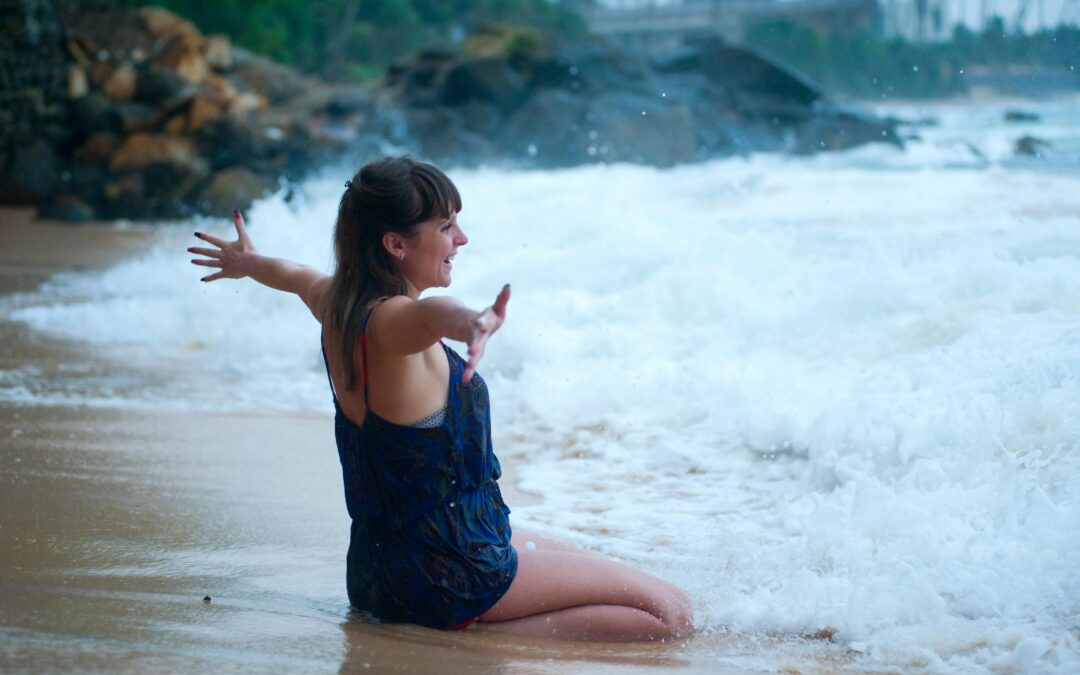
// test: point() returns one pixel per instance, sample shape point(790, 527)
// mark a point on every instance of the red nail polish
point(236, 214)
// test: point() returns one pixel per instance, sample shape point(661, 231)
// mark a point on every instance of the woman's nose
point(462, 238)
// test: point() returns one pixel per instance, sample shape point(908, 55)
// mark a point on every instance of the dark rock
point(68, 208)
point(763, 86)
point(32, 174)
point(125, 196)
point(549, 129)
point(558, 104)
point(489, 80)
point(234, 188)
point(138, 117)
point(834, 128)
point(88, 181)
point(163, 88)
point(1030, 146)
point(449, 140)
point(95, 112)
point(98, 148)
point(141, 151)
point(1020, 116)
point(229, 142)
point(274, 81)
point(350, 101)
point(643, 130)
point(182, 53)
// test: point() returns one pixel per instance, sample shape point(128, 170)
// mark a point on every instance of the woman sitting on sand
point(431, 542)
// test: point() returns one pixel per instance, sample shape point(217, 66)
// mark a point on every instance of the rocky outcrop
point(556, 104)
point(141, 116)
point(116, 113)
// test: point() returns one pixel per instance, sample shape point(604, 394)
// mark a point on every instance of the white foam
point(837, 391)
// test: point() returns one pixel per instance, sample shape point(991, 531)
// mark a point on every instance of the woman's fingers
point(220, 243)
point(214, 277)
point(207, 263)
point(208, 252)
point(500, 301)
point(238, 221)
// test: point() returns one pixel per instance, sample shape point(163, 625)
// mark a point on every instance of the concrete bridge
point(652, 28)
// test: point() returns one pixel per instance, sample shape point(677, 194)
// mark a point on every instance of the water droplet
point(915, 68)
point(642, 113)
point(532, 149)
point(530, 545)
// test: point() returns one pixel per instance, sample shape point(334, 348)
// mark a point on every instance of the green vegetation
point(861, 64)
point(359, 38)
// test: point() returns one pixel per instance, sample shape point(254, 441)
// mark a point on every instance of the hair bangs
point(434, 193)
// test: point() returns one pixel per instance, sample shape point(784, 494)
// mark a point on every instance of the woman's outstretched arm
point(239, 259)
point(409, 326)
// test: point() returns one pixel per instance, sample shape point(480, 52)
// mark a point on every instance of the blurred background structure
point(656, 25)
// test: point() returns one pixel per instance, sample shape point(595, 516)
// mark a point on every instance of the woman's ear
point(394, 244)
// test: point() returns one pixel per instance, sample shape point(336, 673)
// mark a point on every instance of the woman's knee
point(677, 612)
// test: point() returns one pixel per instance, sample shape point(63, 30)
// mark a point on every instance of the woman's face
point(429, 254)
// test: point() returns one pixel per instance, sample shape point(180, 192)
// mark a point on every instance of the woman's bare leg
point(567, 592)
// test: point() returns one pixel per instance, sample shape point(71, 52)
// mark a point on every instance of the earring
point(401, 257)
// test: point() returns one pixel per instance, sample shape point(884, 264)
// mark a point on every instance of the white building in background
point(916, 20)
point(932, 20)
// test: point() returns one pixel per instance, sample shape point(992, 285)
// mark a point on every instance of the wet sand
point(115, 524)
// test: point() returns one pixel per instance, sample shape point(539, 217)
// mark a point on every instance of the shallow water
point(838, 391)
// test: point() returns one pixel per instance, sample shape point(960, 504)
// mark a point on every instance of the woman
point(431, 542)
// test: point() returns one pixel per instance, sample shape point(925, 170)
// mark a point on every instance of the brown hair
point(391, 194)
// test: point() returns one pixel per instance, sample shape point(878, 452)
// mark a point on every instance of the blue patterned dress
point(430, 541)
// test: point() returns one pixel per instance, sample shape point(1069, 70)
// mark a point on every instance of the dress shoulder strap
point(326, 363)
point(363, 346)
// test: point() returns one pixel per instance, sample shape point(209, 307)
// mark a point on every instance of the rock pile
point(161, 121)
point(117, 113)
point(516, 98)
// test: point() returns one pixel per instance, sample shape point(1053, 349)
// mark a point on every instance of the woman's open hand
point(229, 256)
point(484, 326)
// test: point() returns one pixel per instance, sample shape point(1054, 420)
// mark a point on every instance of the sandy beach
point(117, 524)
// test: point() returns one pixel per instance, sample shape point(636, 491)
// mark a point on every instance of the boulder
point(234, 188)
point(143, 150)
point(125, 195)
point(1021, 116)
point(1030, 146)
point(138, 117)
point(32, 174)
point(488, 80)
point(549, 129)
point(217, 50)
point(94, 112)
point(834, 128)
point(78, 83)
point(163, 88)
point(639, 129)
point(163, 24)
point(98, 148)
point(182, 53)
point(120, 86)
point(67, 207)
point(203, 109)
point(275, 82)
